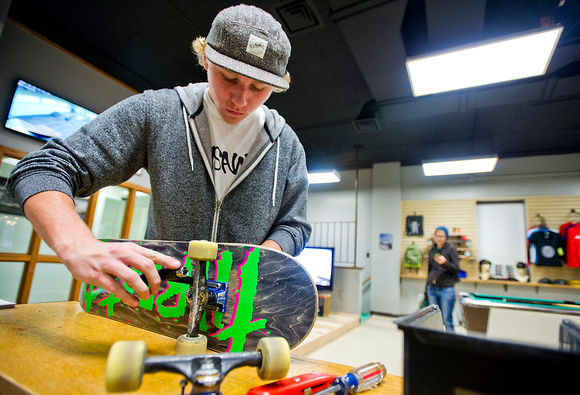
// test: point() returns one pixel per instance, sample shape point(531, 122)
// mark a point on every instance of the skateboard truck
point(198, 296)
point(201, 295)
point(126, 365)
point(217, 296)
point(217, 292)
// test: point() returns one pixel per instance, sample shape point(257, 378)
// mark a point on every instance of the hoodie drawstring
point(276, 172)
point(187, 132)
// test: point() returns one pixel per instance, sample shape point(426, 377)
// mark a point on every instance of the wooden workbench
point(58, 348)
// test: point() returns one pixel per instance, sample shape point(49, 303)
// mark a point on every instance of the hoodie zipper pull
point(216, 216)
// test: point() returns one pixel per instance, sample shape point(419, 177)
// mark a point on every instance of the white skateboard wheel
point(125, 366)
point(275, 358)
point(201, 250)
point(191, 345)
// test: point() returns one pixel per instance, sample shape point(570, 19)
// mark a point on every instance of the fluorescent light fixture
point(479, 165)
point(323, 177)
point(482, 63)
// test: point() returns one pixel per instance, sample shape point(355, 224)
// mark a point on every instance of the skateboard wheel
point(201, 250)
point(187, 345)
point(275, 358)
point(125, 366)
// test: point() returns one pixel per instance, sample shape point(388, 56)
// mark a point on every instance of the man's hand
point(53, 216)
point(272, 244)
point(100, 263)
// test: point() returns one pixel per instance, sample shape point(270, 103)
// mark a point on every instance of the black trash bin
point(438, 362)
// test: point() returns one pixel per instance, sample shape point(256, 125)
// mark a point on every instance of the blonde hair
point(198, 47)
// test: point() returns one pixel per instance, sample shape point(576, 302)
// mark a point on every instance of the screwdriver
point(357, 380)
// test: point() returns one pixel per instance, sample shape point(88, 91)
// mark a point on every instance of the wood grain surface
point(56, 348)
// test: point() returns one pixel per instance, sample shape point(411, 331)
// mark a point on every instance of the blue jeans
point(445, 299)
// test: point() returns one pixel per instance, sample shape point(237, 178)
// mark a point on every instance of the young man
point(222, 166)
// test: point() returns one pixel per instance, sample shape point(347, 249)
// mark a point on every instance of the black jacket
point(445, 275)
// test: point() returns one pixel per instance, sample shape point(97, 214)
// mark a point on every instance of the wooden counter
point(58, 348)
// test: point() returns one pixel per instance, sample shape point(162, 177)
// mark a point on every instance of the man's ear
point(205, 62)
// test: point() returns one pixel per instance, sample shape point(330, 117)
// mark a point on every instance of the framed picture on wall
point(386, 241)
point(414, 225)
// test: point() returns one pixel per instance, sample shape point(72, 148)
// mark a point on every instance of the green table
point(526, 320)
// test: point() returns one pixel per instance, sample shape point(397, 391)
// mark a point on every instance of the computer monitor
point(319, 262)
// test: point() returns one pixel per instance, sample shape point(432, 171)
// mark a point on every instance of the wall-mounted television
point(40, 114)
point(319, 262)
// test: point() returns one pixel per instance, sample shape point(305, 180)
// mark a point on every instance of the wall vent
point(298, 16)
point(367, 125)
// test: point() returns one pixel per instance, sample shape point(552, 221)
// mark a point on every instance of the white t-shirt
point(230, 143)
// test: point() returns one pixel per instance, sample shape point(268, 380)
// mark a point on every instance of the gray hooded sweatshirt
point(166, 132)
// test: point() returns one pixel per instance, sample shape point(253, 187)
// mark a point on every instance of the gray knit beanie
point(249, 41)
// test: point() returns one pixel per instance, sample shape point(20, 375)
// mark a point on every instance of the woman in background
point(442, 276)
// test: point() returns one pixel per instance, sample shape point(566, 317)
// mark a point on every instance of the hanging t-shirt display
point(546, 243)
point(570, 233)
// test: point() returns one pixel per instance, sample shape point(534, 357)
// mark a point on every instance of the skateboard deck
point(267, 293)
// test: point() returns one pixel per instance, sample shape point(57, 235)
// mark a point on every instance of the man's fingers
point(156, 257)
point(131, 256)
point(164, 260)
point(117, 289)
point(132, 279)
point(145, 262)
point(151, 272)
point(146, 266)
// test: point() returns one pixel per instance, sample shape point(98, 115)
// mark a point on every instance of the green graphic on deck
point(242, 322)
point(223, 266)
point(170, 302)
